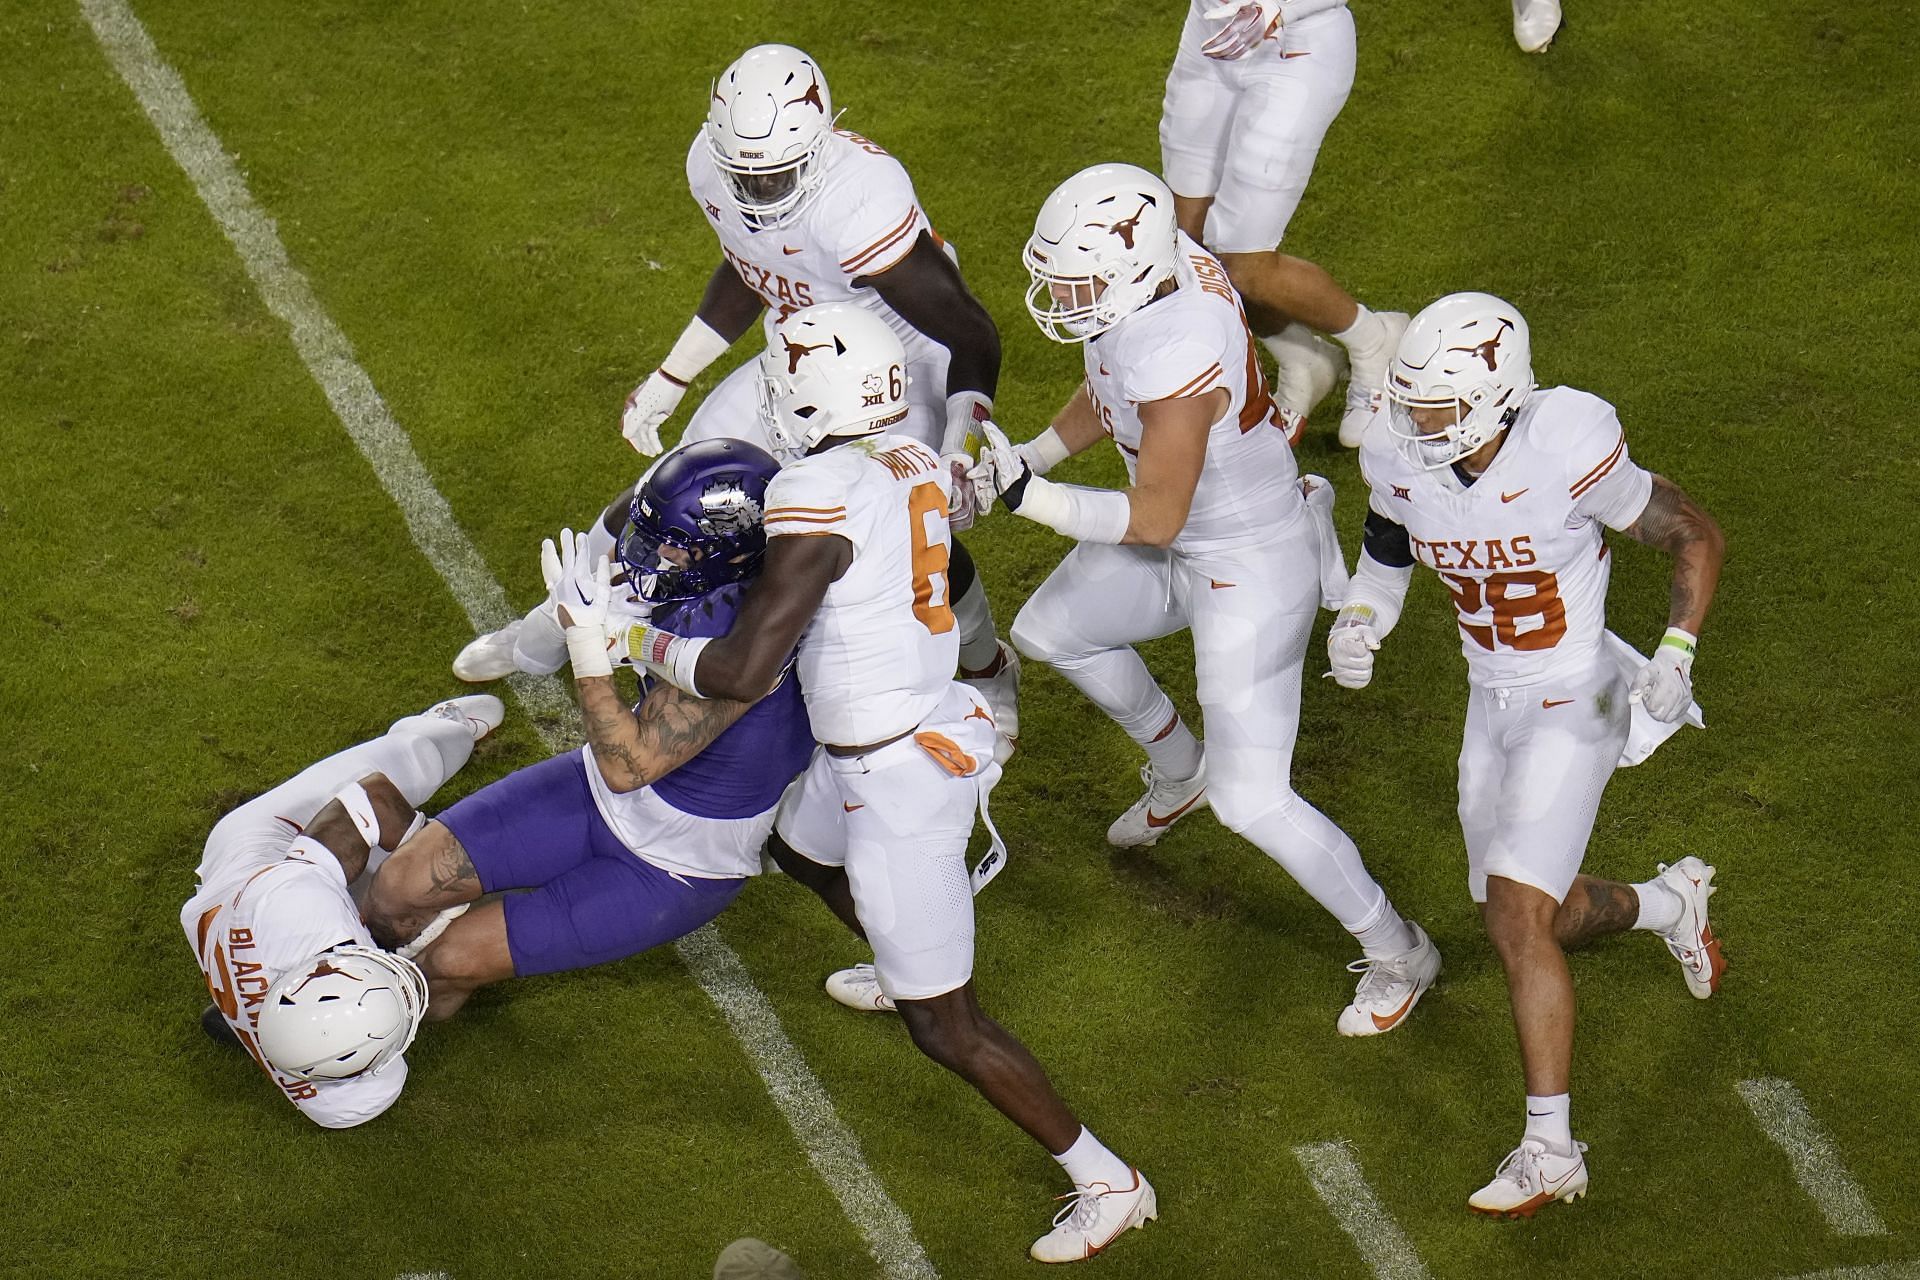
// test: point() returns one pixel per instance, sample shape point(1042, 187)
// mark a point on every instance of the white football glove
point(650, 405)
point(581, 594)
point(1248, 23)
point(1351, 644)
point(1665, 685)
point(963, 503)
point(1002, 472)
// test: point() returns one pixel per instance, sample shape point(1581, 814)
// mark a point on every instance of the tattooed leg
point(1594, 909)
point(424, 877)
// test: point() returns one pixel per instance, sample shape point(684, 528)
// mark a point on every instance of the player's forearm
point(1156, 514)
point(728, 307)
point(740, 666)
point(670, 728)
point(1077, 425)
point(1678, 525)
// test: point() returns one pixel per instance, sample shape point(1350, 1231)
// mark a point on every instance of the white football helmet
point(348, 1010)
point(768, 120)
point(1468, 350)
point(832, 370)
point(1102, 245)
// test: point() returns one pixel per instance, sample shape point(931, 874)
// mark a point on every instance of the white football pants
point(1534, 762)
point(1247, 132)
point(1251, 611)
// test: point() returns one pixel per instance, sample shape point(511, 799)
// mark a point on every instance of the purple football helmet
point(695, 522)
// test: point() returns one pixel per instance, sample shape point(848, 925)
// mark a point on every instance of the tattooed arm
point(1679, 526)
point(670, 729)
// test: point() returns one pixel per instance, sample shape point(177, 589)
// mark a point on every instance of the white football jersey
point(257, 915)
point(882, 649)
point(1188, 343)
point(863, 219)
point(1521, 548)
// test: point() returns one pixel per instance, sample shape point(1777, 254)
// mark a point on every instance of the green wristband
point(1678, 639)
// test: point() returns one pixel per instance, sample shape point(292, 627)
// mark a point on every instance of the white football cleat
point(999, 685)
point(1691, 940)
point(1390, 988)
point(1307, 367)
point(480, 712)
point(1094, 1218)
point(859, 988)
point(1532, 1175)
point(1167, 801)
point(489, 657)
point(1367, 377)
point(1535, 23)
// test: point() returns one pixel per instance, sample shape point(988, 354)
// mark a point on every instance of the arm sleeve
point(805, 501)
point(881, 229)
point(1605, 483)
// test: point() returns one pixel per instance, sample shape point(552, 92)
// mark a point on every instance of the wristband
point(673, 658)
point(1681, 639)
point(699, 345)
point(1044, 452)
point(587, 650)
point(966, 410)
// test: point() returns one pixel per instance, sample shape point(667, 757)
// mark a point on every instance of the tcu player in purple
point(652, 828)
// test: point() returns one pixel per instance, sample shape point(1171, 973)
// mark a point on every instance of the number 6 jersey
point(882, 649)
point(1520, 548)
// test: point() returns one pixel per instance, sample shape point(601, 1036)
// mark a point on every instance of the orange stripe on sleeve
point(1212, 373)
point(1594, 476)
point(885, 242)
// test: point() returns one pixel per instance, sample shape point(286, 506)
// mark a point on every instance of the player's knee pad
point(1241, 805)
point(1041, 635)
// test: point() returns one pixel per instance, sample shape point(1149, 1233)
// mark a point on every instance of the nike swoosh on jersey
point(1509, 497)
point(1549, 704)
point(1218, 585)
point(789, 250)
point(851, 807)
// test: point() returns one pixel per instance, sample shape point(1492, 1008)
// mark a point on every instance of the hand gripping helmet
point(1468, 349)
point(694, 525)
point(769, 117)
point(1101, 247)
point(832, 370)
point(345, 1011)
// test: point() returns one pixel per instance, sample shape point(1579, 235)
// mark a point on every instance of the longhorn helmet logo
point(1127, 226)
point(811, 96)
point(797, 352)
point(324, 969)
point(1486, 350)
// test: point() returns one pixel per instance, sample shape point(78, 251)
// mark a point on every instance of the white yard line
point(1873, 1271)
point(1336, 1176)
point(1785, 1117)
point(324, 349)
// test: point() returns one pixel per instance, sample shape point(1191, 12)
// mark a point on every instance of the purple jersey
point(746, 768)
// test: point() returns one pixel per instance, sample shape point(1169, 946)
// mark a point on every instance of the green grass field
point(1707, 213)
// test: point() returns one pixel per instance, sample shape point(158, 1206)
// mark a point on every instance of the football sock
point(1388, 935)
point(1550, 1121)
point(979, 646)
point(1088, 1162)
point(1174, 750)
point(1366, 330)
point(1660, 907)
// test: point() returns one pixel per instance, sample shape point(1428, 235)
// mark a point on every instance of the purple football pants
point(589, 899)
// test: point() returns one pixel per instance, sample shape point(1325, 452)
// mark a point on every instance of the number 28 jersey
point(882, 649)
point(1520, 548)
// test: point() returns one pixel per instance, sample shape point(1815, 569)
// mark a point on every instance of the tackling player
point(806, 213)
point(1253, 90)
point(1216, 535)
point(651, 829)
point(857, 560)
point(1502, 489)
point(295, 976)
